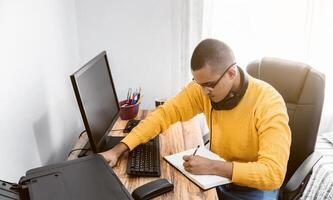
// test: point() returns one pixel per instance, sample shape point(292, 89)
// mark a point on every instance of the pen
point(129, 93)
point(196, 150)
point(139, 93)
point(134, 98)
point(139, 100)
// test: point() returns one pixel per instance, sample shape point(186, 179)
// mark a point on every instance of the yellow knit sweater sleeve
point(268, 172)
point(182, 107)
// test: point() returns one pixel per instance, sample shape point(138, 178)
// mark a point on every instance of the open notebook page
point(204, 181)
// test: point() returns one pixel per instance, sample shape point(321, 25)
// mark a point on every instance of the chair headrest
point(287, 77)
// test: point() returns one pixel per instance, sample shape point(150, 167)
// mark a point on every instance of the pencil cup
point(128, 111)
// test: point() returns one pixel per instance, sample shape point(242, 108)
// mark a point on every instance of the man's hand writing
point(204, 166)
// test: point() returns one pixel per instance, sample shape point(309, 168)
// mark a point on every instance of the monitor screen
point(97, 99)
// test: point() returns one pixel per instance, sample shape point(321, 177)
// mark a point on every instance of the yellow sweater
point(254, 135)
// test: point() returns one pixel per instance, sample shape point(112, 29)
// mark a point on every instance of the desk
point(179, 137)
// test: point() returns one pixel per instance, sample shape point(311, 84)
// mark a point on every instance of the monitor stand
point(109, 143)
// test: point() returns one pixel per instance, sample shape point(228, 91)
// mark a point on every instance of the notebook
point(203, 181)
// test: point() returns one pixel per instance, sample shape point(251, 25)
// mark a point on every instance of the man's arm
point(182, 107)
point(223, 168)
point(112, 155)
point(201, 165)
point(268, 172)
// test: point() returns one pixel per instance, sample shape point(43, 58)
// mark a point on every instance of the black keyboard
point(130, 125)
point(144, 160)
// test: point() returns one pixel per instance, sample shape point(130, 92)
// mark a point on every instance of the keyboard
point(130, 125)
point(144, 160)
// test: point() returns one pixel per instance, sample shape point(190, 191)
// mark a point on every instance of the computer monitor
point(97, 100)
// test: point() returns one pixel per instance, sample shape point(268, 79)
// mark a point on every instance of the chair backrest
point(302, 89)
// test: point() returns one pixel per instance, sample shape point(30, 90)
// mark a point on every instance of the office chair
point(302, 89)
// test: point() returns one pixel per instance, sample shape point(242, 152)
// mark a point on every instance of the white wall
point(142, 39)
point(255, 29)
point(43, 41)
point(39, 121)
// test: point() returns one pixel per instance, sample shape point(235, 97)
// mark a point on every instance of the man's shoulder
point(264, 91)
point(262, 86)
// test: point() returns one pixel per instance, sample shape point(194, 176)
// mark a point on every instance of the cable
point(81, 149)
point(82, 133)
point(211, 129)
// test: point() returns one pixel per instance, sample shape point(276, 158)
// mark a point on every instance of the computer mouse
point(130, 125)
point(152, 189)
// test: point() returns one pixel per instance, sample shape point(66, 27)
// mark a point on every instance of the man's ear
point(232, 73)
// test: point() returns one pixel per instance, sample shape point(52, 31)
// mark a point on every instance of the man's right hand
point(112, 155)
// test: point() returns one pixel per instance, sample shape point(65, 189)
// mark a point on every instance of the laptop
point(85, 178)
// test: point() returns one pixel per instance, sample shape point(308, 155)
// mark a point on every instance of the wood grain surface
point(179, 137)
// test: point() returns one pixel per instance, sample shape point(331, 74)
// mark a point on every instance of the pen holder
point(128, 111)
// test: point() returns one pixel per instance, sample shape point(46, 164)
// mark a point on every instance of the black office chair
point(302, 88)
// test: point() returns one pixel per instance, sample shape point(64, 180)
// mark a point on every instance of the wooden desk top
point(179, 137)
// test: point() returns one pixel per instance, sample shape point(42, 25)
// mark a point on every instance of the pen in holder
point(128, 111)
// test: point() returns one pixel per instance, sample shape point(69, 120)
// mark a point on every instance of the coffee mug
point(159, 101)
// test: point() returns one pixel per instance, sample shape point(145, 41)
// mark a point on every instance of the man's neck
point(237, 82)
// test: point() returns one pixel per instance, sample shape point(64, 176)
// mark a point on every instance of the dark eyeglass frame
point(213, 84)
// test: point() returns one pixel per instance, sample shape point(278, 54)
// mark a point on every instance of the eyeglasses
point(211, 85)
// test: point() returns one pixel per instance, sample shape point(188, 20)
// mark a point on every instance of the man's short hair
point(213, 52)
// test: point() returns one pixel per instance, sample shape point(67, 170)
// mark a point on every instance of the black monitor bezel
point(94, 147)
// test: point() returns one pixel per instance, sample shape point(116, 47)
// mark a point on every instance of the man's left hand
point(198, 165)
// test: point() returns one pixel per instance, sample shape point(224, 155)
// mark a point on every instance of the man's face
point(216, 85)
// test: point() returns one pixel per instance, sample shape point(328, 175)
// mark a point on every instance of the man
point(248, 125)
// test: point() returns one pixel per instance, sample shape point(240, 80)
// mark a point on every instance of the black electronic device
point(144, 160)
point(130, 125)
point(232, 99)
point(84, 178)
point(152, 189)
point(97, 99)
point(9, 191)
point(98, 102)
